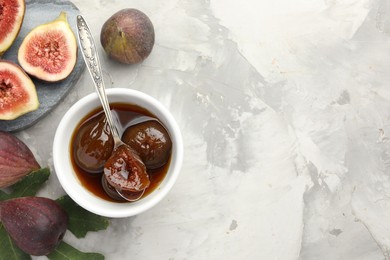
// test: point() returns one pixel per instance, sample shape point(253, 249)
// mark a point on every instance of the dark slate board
point(49, 94)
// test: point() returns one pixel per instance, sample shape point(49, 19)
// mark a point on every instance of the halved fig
point(11, 19)
point(18, 95)
point(49, 51)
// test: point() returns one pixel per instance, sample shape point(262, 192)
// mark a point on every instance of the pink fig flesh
point(49, 51)
point(36, 224)
point(11, 19)
point(18, 94)
point(16, 159)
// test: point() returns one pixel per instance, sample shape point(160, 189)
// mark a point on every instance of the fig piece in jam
point(93, 144)
point(120, 195)
point(151, 141)
point(110, 191)
point(125, 171)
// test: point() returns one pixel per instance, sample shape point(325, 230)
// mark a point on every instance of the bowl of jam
point(83, 148)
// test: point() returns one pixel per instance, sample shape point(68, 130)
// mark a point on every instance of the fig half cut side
point(11, 19)
point(18, 95)
point(49, 51)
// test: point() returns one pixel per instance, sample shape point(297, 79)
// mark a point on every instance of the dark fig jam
point(92, 145)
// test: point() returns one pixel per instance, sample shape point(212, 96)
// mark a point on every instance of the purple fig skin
point(16, 160)
point(36, 224)
point(128, 36)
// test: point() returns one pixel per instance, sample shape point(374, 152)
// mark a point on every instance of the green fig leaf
point(28, 186)
point(8, 249)
point(81, 221)
point(66, 251)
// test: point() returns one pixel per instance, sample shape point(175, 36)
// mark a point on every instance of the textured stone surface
point(284, 108)
point(49, 94)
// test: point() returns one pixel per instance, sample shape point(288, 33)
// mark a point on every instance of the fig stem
point(62, 17)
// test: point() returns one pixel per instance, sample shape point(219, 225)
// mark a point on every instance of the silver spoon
point(91, 58)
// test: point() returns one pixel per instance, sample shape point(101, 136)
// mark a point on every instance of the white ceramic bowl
point(67, 176)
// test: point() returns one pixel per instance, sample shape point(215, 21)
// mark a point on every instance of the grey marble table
point(285, 112)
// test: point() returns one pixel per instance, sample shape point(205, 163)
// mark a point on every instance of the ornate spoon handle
point(91, 58)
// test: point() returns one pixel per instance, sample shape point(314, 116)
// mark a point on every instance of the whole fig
point(128, 36)
point(16, 160)
point(36, 224)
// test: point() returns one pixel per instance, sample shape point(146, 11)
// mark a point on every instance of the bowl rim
point(72, 185)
